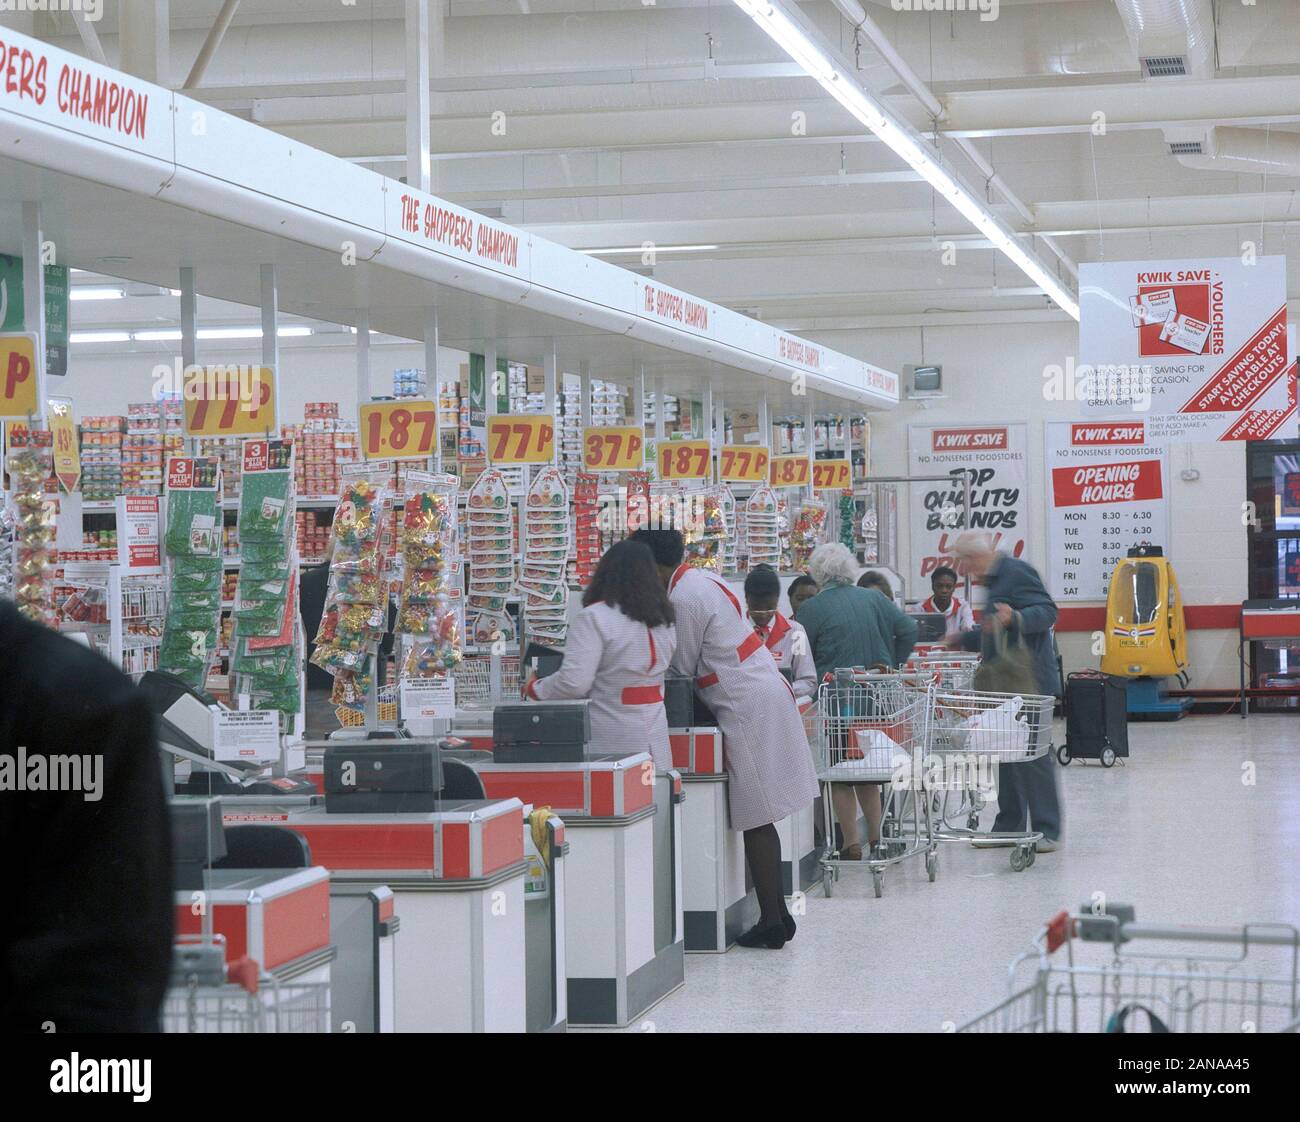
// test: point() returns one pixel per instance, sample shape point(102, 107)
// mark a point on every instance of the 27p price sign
point(521, 440)
point(742, 463)
point(398, 430)
point(229, 400)
point(616, 448)
point(789, 471)
point(684, 459)
point(18, 375)
point(831, 475)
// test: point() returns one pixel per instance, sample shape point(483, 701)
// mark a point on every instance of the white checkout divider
point(624, 930)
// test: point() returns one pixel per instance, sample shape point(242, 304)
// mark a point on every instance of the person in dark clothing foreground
point(86, 927)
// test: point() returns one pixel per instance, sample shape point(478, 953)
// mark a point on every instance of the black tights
point(763, 852)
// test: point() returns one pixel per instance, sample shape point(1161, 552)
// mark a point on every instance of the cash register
point(541, 732)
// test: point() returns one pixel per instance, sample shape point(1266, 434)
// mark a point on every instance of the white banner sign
point(251, 735)
point(1201, 343)
point(139, 548)
point(1107, 491)
point(994, 457)
point(428, 699)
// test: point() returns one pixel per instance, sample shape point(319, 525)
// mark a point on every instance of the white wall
point(991, 373)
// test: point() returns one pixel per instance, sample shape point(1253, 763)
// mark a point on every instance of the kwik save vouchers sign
point(1107, 491)
point(1199, 347)
point(995, 458)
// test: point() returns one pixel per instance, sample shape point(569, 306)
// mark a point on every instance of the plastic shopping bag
point(874, 756)
point(997, 732)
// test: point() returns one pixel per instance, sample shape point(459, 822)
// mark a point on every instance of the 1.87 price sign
point(521, 440)
point(612, 449)
point(684, 459)
point(742, 463)
point(789, 471)
point(831, 475)
point(398, 430)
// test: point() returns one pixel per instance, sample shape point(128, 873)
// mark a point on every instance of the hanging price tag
point(230, 401)
point(742, 463)
point(684, 459)
point(67, 454)
point(18, 375)
point(612, 449)
point(831, 475)
point(521, 440)
point(398, 430)
point(789, 471)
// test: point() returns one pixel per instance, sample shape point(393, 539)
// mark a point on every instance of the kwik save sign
point(995, 459)
point(1198, 347)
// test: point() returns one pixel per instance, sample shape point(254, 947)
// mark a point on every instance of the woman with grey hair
point(851, 626)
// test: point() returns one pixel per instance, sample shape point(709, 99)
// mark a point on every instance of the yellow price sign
point(18, 375)
point(684, 459)
point(399, 430)
point(742, 463)
point(521, 440)
point(831, 475)
point(789, 471)
point(67, 452)
point(229, 400)
point(616, 448)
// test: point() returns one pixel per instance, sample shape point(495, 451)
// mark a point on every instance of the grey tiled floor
point(1176, 833)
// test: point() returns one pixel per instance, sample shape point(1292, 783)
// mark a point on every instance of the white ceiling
point(617, 131)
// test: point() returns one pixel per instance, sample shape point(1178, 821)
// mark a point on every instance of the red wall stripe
point(1200, 617)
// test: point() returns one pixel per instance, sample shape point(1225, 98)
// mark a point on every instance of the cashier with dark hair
point(617, 652)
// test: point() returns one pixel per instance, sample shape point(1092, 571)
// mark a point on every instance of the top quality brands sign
point(1202, 345)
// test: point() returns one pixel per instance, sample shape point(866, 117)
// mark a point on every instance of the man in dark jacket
point(85, 841)
point(1016, 599)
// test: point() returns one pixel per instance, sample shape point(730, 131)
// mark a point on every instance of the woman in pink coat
point(617, 652)
point(769, 768)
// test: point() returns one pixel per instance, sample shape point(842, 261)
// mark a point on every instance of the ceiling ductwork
point(1175, 39)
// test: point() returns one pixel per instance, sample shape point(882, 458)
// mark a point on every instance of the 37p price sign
point(521, 440)
point(398, 430)
point(616, 448)
point(742, 463)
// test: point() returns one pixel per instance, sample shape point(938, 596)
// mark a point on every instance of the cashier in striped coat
point(786, 639)
point(616, 653)
point(769, 768)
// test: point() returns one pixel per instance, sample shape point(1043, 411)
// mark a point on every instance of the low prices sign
point(18, 398)
point(616, 448)
point(684, 459)
point(1108, 491)
point(789, 471)
point(831, 475)
point(229, 400)
point(139, 548)
point(67, 450)
point(742, 463)
point(399, 430)
point(521, 440)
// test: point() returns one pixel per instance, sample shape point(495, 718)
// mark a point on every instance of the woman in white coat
point(617, 652)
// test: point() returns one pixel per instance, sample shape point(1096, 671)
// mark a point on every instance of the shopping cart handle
point(243, 971)
point(1058, 930)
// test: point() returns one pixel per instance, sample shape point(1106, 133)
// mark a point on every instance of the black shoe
point(788, 921)
point(773, 937)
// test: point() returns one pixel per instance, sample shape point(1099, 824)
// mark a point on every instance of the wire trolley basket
point(474, 681)
point(1150, 978)
point(872, 728)
point(207, 996)
point(949, 670)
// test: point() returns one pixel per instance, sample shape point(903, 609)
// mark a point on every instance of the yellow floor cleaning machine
point(1146, 634)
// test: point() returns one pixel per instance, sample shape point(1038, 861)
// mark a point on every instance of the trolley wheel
point(1108, 757)
point(1018, 860)
point(828, 882)
point(1063, 755)
point(1031, 854)
point(932, 866)
point(878, 881)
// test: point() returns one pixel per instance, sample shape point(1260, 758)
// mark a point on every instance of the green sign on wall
point(56, 309)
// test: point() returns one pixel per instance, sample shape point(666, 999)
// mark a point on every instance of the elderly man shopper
point(851, 626)
point(1017, 602)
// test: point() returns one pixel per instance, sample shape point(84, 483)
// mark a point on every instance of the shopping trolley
point(972, 733)
point(949, 670)
point(1247, 984)
point(871, 728)
point(206, 996)
point(480, 684)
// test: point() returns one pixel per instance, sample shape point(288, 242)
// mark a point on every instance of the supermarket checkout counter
point(624, 926)
point(719, 902)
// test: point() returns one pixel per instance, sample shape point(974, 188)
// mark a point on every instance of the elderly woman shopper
point(852, 626)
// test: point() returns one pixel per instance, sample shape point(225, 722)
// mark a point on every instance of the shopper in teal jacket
point(850, 626)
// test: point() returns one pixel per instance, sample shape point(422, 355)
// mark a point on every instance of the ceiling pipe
point(857, 15)
point(211, 43)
